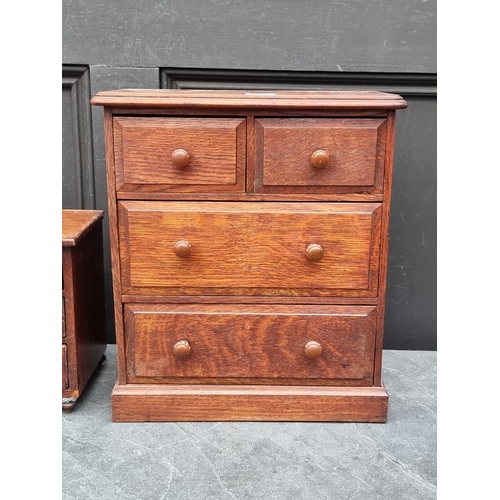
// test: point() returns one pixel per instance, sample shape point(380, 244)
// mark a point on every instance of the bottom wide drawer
point(258, 344)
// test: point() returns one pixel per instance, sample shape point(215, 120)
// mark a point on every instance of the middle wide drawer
point(249, 248)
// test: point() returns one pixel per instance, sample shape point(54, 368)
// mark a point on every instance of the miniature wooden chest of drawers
point(249, 241)
point(83, 308)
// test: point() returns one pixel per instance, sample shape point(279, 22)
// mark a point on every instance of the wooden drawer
point(323, 155)
point(144, 154)
point(250, 248)
point(250, 343)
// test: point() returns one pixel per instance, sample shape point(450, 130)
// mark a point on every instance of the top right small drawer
point(320, 155)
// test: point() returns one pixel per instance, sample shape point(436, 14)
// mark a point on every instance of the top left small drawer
point(179, 154)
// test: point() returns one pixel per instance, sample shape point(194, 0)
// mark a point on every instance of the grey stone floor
point(102, 460)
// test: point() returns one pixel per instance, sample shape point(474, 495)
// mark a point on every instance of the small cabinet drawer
point(290, 249)
point(177, 154)
point(252, 343)
point(323, 155)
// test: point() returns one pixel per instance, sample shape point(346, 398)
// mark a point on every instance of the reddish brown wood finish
point(76, 224)
point(159, 403)
point(214, 158)
point(220, 278)
point(65, 381)
point(245, 299)
point(242, 247)
point(257, 343)
point(384, 247)
point(84, 329)
point(349, 152)
point(113, 233)
point(205, 101)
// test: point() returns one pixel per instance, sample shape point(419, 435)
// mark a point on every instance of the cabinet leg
point(68, 404)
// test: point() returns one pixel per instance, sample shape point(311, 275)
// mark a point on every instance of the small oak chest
point(249, 242)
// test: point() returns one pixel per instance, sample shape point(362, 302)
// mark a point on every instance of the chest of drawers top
point(255, 100)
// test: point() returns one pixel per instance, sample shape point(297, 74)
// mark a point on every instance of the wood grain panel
point(345, 196)
point(257, 245)
point(192, 403)
point(284, 147)
point(248, 299)
point(249, 341)
point(144, 147)
point(220, 99)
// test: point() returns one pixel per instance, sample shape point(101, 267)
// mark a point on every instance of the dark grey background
point(315, 44)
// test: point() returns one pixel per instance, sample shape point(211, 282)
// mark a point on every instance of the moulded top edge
point(248, 98)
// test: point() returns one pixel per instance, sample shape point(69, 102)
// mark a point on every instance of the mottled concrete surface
point(102, 460)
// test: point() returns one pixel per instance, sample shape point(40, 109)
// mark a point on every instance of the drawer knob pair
point(314, 251)
point(182, 349)
point(180, 158)
point(320, 159)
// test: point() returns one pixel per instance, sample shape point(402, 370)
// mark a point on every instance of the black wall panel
point(77, 143)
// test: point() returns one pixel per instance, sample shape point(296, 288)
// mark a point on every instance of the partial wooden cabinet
point(249, 243)
point(83, 307)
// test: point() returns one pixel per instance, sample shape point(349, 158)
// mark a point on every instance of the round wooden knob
point(320, 159)
point(182, 349)
point(182, 248)
point(314, 252)
point(313, 349)
point(180, 158)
